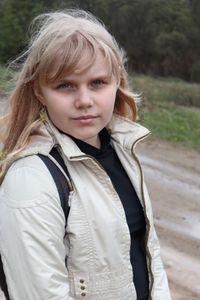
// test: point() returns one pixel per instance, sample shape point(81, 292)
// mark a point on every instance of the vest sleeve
point(32, 227)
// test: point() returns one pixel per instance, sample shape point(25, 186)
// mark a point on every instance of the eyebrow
point(96, 76)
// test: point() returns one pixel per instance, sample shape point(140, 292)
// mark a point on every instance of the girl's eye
point(98, 82)
point(65, 85)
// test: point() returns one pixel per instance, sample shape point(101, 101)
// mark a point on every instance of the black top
point(109, 160)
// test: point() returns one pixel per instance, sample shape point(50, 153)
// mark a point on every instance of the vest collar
point(122, 130)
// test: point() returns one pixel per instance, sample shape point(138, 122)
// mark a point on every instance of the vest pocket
point(103, 286)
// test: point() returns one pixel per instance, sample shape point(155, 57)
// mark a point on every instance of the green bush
point(168, 90)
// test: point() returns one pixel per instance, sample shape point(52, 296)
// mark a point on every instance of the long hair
point(58, 41)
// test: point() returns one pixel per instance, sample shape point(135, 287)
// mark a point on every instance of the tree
point(14, 19)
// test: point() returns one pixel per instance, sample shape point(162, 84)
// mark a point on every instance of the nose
point(83, 98)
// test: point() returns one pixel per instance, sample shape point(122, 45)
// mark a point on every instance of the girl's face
point(82, 104)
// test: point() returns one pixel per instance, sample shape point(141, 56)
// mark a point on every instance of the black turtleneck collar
point(91, 150)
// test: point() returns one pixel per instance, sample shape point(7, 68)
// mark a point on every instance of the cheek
point(109, 103)
point(54, 103)
point(112, 98)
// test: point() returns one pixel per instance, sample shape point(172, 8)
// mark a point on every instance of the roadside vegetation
point(173, 123)
point(170, 108)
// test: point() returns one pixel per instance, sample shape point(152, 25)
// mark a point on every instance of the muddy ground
point(172, 175)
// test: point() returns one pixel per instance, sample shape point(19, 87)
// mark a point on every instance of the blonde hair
point(57, 43)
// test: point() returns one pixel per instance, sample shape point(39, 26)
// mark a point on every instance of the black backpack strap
point(60, 180)
point(3, 283)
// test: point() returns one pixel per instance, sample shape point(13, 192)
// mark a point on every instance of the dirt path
point(172, 176)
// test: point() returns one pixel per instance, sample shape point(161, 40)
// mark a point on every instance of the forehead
point(90, 60)
point(96, 64)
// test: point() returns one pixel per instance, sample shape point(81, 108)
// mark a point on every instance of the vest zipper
point(147, 220)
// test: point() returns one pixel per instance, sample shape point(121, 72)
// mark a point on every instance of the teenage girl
point(72, 93)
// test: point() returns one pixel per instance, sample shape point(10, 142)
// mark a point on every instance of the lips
point(85, 117)
point(85, 120)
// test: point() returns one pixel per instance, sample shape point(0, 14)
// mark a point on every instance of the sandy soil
point(172, 176)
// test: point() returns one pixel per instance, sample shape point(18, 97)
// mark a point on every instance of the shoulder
point(28, 182)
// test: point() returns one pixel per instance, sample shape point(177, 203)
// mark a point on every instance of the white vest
point(97, 241)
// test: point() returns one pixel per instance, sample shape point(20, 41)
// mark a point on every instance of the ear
point(37, 92)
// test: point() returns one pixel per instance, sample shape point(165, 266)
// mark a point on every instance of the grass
point(173, 123)
point(163, 115)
